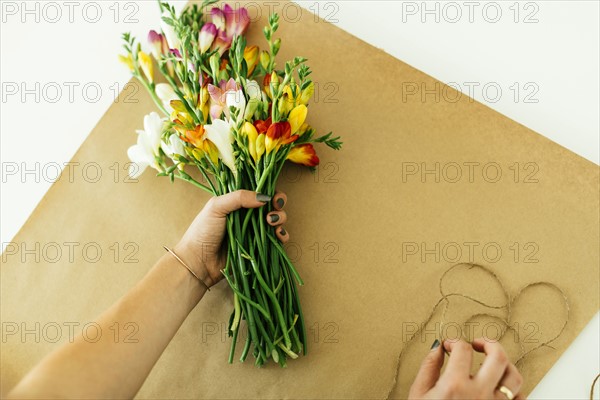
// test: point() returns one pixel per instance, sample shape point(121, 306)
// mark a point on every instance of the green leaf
point(169, 21)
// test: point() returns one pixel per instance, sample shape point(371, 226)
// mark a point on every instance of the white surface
point(556, 57)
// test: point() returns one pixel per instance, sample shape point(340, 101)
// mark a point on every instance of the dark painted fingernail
point(282, 232)
point(263, 197)
point(274, 218)
point(280, 202)
point(435, 344)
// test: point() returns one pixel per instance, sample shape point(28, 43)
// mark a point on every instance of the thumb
point(227, 203)
point(429, 373)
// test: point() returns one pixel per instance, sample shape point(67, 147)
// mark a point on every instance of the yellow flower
point(265, 59)
point(287, 100)
point(297, 117)
point(204, 103)
point(202, 146)
point(251, 57)
point(303, 128)
point(211, 150)
point(127, 60)
point(146, 64)
point(307, 93)
point(260, 146)
point(250, 132)
point(304, 154)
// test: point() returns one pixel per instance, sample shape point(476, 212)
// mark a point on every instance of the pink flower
point(236, 21)
point(229, 23)
point(207, 36)
point(222, 42)
point(158, 44)
point(218, 96)
point(218, 18)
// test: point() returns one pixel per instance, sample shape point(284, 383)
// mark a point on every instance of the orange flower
point(194, 136)
point(304, 154)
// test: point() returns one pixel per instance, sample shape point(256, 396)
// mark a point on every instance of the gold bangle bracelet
point(186, 266)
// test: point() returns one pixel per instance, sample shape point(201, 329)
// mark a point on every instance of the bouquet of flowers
point(238, 134)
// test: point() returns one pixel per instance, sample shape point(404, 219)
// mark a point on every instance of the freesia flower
point(256, 141)
point(207, 36)
point(265, 59)
point(127, 60)
point(172, 38)
point(166, 94)
point(219, 132)
point(222, 42)
point(218, 18)
point(278, 134)
point(195, 136)
point(144, 153)
point(226, 92)
point(173, 148)
point(155, 40)
point(262, 126)
point(176, 53)
point(253, 90)
point(304, 154)
point(270, 79)
point(235, 99)
point(297, 117)
point(229, 23)
point(255, 95)
point(147, 66)
point(236, 21)
point(251, 57)
point(159, 47)
point(198, 138)
point(307, 93)
point(208, 149)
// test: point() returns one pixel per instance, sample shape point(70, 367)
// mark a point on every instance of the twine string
point(506, 320)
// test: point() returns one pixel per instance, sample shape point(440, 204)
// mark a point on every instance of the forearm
point(110, 368)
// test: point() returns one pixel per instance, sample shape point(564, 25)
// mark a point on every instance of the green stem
point(265, 174)
point(151, 88)
point(195, 183)
point(287, 260)
point(207, 179)
point(270, 293)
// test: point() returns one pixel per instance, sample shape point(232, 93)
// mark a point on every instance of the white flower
point(166, 93)
point(253, 90)
point(144, 153)
point(173, 148)
point(219, 132)
point(172, 38)
point(235, 98)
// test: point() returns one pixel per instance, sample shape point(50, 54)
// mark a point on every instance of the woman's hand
point(202, 246)
point(496, 373)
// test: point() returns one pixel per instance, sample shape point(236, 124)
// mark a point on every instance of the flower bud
point(251, 108)
point(274, 83)
point(265, 59)
point(307, 93)
point(276, 46)
point(207, 36)
point(156, 42)
point(147, 66)
point(251, 57)
point(215, 62)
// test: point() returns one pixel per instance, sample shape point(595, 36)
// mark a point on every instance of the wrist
point(195, 262)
